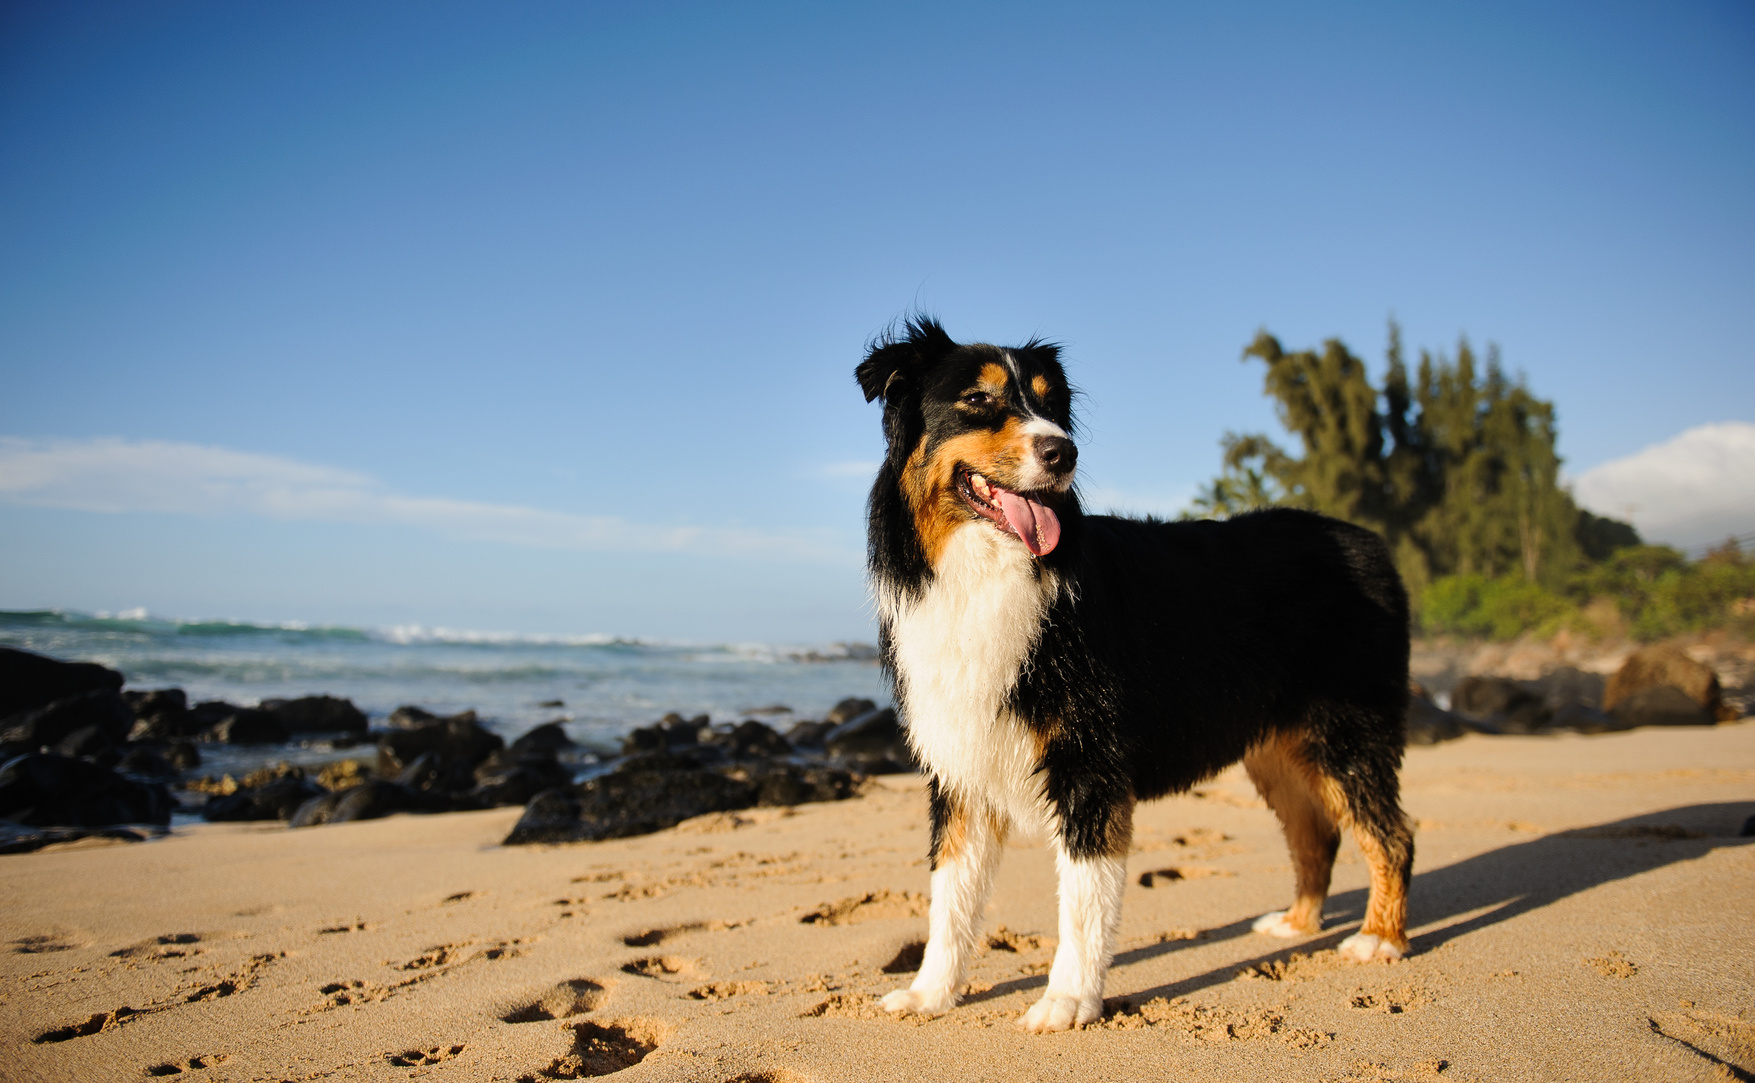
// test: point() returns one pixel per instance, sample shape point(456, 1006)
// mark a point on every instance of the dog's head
point(975, 432)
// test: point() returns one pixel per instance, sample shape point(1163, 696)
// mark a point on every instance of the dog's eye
point(978, 399)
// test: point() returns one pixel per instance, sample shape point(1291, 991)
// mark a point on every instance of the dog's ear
point(900, 359)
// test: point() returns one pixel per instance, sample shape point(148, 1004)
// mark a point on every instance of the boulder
point(547, 738)
point(515, 780)
point(1659, 705)
point(146, 759)
point(748, 740)
point(848, 709)
point(247, 726)
point(161, 714)
point(1583, 718)
point(276, 800)
point(51, 723)
point(1667, 665)
point(17, 838)
point(183, 755)
point(434, 774)
point(44, 789)
point(88, 741)
point(1505, 704)
point(645, 793)
point(29, 680)
point(459, 742)
point(671, 731)
point(872, 742)
point(370, 800)
point(410, 717)
point(795, 784)
point(1428, 724)
point(317, 714)
point(808, 734)
point(1566, 686)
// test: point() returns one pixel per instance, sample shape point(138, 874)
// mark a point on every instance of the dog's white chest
point(958, 651)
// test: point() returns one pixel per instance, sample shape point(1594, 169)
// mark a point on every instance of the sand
point(1582, 909)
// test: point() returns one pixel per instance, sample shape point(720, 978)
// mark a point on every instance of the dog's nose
point(1056, 454)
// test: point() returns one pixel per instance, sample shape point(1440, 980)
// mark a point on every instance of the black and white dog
point(1054, 668)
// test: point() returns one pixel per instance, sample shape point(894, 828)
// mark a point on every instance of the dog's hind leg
point(966, 845)
point(1307, 806)
point(1381, 829)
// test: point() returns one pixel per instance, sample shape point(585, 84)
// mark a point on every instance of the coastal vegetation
point(1455, 465)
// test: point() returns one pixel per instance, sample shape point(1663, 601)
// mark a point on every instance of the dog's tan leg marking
point(969, 851)
point(1384, 933)
point(1090, 913)
point(1307, 813)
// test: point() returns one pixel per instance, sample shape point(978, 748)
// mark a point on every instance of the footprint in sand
point(663, 967)
point(416, 1058)
point(168, 946)
point(604, 1048)
point(53, 940)
point(907, 959)
point(651, 938)
point(193, 1064)
point(769, 1075)
point(356, 927)
point(574, 997)
point(1179, 872)
point(872, 906)
point(97, 1024)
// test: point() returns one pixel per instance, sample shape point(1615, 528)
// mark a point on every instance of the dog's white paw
point(1366, 947)
point(919, 1001)
point(1054, 1012)
point(1277, 924)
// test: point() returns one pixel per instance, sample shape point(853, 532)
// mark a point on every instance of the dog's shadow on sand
point(1481, 891)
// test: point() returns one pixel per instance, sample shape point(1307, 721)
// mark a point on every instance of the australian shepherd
point(1053, 667)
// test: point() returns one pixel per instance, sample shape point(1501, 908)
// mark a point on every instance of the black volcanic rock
point(51, 723)
point(1429, 725)
point(747, 740)
point(460, 743)
point(317, 714)
point(848, 709)
point(47, 790)
point(247, 726)
point(645, 793)
point(872, 742)
point(1506, 704)
point(370, 800)
point(548, 737)
point(781, 784)
point(29, 680)
point(276, 800)
point(161, 714)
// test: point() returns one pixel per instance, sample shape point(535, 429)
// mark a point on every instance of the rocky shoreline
point(83, 755)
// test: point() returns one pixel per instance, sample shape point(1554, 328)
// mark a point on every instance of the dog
point(1053, 668)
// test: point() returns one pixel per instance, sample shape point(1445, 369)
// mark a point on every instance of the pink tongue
point(1031, 521)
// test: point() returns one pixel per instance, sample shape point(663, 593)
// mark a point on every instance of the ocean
point(598, 687)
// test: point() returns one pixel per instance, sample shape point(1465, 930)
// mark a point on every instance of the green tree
point(1457, 467)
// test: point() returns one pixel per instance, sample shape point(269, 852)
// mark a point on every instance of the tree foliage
point(1455, 466)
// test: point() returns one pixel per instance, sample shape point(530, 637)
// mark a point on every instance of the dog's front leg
point(1090, 912)
point(966, 846)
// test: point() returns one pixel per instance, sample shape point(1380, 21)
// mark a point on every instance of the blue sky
point(542, 316)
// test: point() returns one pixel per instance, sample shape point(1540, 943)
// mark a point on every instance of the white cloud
point(1691, 489)
point(114, 475)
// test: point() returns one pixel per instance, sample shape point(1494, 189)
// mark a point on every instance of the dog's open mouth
point(1032, 521)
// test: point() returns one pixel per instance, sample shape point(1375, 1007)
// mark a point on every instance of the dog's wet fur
point(1053, 667)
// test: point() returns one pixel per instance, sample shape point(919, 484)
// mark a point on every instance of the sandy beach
point(1580, 911)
